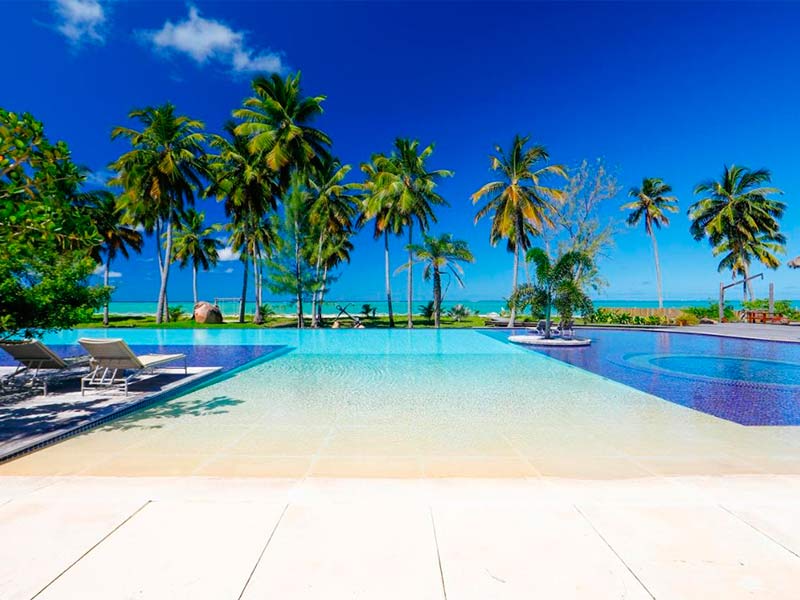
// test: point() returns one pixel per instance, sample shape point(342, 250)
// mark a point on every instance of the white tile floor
point(173, 538)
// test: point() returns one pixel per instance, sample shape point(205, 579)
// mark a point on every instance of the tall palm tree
point(406, 184)
point(556, 286)
point(160, 175)
point(277, 121)
point(740, 219)
point(650, 206)
point(382, 209)
point(248, 188)
point(118, 238)
point(441, 255)
point(518, 202)
point(333, 210)
point(195, 243)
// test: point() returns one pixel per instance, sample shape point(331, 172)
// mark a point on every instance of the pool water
point(378, 403)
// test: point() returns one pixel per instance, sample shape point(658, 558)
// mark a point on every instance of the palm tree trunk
point(514, 282)
point(243, 300)
point(322, 294)
point(388, 276)
point(315, 296)
point(162, 294)
point(410, 323)
point(548, 317)
point(159, 308)
point(437, 297)
point(258, 319)
point(297, 278)
point(194, 282)
point(747, 290)
point(105, 283)
point(659, 291)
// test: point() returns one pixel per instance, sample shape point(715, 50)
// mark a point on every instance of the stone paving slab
point(194, 537)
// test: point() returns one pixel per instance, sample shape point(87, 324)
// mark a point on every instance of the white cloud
point(229, 270)
point(206, 39)
point(81, 20)
point(99, 178)
point(227, 254)
point(101, 270)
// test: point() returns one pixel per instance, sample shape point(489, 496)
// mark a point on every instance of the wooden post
point(771, 298)
point(721, 301)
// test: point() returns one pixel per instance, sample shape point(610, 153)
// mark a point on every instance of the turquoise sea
point(230, 308)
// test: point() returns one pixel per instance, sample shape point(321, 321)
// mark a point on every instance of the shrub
point(687, 318)
point(175, 313)
point(711, 312)
point(783, 307)
point(426, 310)
point(267, 312)
point(459, 312)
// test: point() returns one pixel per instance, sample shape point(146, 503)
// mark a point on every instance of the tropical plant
point(459, 312)
point(196, 244)
point(277, 122)
point(117, 237)
point(46, 236)
point(441, 256)
point(160, 175)
point(427, 310)
point(711, 311)
point(368, 310)
point(332, 213)
point(740, 220)
point(555, 286)
point(381, 209)
point(267, 312)
point(176, 313)
point(518, 202)
point(249, 189)
point(291, 268)
point(650, 205)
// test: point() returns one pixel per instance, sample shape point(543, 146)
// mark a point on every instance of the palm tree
point(118, 238)
point(276, 120)
point(556, 285)
point(382, 209)
point(336, 251)
point(441, 255)
point(650, 205)
point(248, 188)
point(160, 175)
point(333, 210)
point(518, 202)
point(406, 184)
point(740, 220)
point(194, 242)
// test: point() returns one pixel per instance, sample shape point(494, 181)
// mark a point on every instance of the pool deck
point(449, 539)
point(751, 331)
point(37, 420)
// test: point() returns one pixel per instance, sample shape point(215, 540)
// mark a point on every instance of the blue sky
point(654, 89)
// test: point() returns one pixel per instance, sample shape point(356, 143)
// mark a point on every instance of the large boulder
point(707, 321)
point(205, 312)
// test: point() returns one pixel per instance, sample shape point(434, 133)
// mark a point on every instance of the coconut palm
point(406, 184)
point(248, 189)
point(650, 205)
point(518, 202)
point(556, 286)
point(440, 255)
point(382, 210)
point(196, 244)
point(333, 210)
point(276, 120)
point(118, 238)
point(160, 175)
point(740, 220)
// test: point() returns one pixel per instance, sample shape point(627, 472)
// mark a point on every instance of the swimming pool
point(378, 403)
point(745, 381)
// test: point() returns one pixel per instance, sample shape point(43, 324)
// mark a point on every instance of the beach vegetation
point(441, 257)
point(555, 287)
point(650, 205)
point(518, 202)
point(740, 217)
point(47, 236)
point(196, 244)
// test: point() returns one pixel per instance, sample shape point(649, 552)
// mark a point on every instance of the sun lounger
point(114, 363)
point(566, 328)
point(38, 365)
